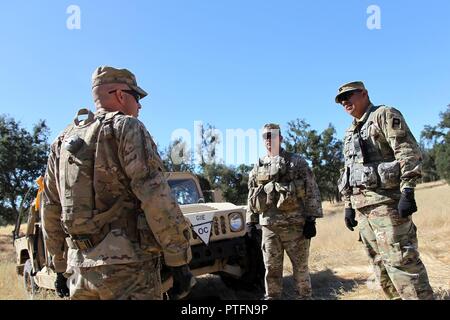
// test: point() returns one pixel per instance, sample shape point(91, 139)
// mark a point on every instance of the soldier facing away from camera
point(382, 165)
point(285, 199)
point(106, 198)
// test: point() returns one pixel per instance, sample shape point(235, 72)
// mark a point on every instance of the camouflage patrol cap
point(350, 86)
point(107, 74)
point(271, 128)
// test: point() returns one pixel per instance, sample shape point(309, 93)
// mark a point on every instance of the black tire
point(28, 280)
point(252, 263)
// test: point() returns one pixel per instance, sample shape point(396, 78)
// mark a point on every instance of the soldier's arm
point(404, 145)
point(144, 168)
point(346, 199)
point(54, 235)
point(313, 202)
point(251, 217)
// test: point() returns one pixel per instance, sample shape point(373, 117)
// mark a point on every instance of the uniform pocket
point(389, 173)
point(287, 200)
point(369, 177)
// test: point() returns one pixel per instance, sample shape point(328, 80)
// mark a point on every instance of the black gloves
point(183, 282)
point(350, 221)
point(61, 285)
point(309, 230)
point(407, 204)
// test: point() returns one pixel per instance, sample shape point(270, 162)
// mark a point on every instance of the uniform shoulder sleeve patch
point(396, 125)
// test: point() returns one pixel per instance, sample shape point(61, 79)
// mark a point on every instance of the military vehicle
point(219, 241)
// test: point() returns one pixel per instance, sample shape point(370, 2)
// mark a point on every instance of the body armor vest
point(369, 160)
point(78, 146)
point(277, 185)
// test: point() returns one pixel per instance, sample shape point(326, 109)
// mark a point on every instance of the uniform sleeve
point(54, 235)
point(251, 216)
point(313, 202)
point(346, 191)
point(404, 146)
point(143, 166)
point(347, 200)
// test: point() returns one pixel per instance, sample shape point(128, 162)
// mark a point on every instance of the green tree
point(232, 181)
point(213, 174)
point(437, 142)
point(429, 170)
point(207, 148)
point(23, 157)
point(323, 151)
point(177, 157)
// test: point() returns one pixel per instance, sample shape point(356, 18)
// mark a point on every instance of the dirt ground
point(338, 265)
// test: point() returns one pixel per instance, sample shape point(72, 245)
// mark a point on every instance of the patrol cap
point(271, 128)
point(350, 86)
point(107, 74)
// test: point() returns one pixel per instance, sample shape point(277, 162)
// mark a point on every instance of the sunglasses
point(347, 95)
point(268, 136)
point(135, 95)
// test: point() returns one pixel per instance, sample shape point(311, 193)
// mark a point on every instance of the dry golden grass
point(338, 265)
point(11, 286)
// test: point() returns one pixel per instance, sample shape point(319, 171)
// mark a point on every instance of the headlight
point(236, 222)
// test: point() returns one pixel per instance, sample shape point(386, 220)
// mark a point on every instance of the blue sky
point(233, 64)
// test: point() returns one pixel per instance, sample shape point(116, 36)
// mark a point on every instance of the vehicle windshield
point(184, 191)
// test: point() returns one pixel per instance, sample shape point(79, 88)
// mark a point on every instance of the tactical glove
point(183, 282)
point(407, 204)
point(61, 285)
point(309, 230)
point(350, 221)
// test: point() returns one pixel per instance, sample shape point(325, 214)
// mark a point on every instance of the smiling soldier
point(382, 165)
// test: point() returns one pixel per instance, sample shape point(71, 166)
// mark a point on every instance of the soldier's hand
point(309, 229)
point(61, 285)
point(350, 221)
point(407, 204)
point(183, 282)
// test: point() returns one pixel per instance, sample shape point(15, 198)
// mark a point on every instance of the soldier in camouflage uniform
point(382, 165)
point(107, 202)
point(284, 197)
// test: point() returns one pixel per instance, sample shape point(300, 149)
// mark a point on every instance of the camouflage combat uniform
point(381, 159)
point(282, 194)
point(117, 216)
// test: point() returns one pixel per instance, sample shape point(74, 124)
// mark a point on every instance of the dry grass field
point(339, 267)
point(337, 258)
point(10, 288)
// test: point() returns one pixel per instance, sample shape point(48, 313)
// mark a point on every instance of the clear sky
point(233, 64)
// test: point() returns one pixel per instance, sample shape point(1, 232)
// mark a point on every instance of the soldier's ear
point(120, 96)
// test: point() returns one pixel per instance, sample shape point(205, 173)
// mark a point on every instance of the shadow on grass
point(326, 285)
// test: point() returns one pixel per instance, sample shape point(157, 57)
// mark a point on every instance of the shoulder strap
point(110, 135)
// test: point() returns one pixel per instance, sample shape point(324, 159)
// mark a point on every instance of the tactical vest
point(78, 145)
point(366, 167)
point(277, 186)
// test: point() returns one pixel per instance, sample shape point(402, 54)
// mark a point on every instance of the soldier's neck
point(362, 116)
point(274, 153)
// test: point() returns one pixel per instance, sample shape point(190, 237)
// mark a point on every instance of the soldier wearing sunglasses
point(285, 199)
point(382, 165)
point(107, 200)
